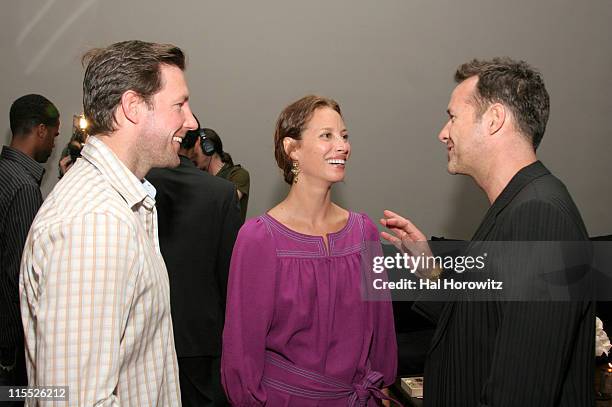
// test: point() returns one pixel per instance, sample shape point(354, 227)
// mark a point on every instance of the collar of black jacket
point(521, 179)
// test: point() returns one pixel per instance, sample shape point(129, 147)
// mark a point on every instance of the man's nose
point(190, 122)
point(443, 135)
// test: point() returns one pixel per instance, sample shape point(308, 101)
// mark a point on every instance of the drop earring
point(295, 170)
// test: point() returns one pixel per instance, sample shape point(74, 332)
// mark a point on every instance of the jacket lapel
point(522, 178)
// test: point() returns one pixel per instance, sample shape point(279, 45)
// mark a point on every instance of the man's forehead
point(173, 78)
point(173, 84)
point(468, 85)
point(464, 91)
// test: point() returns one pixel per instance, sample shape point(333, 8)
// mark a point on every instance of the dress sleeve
point(383, 353)
point(249, 311)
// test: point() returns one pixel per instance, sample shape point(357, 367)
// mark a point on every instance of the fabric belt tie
point(288, 378)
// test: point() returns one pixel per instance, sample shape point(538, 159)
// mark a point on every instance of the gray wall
point(388, 63)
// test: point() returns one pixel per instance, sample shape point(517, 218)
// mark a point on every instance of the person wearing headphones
point(217, 162)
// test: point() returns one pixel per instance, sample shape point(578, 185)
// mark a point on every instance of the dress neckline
point(292, 232)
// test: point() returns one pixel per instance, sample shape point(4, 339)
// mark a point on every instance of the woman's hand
point(385, 391)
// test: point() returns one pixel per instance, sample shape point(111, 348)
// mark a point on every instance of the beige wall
point(389, 64)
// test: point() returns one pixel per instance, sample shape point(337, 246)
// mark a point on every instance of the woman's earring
point(295, 170)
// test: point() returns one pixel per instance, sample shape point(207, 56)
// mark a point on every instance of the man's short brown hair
point(123, 66)
point(514, 84)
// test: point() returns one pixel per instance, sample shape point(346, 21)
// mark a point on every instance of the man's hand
point(405, 234)
point(408, 239)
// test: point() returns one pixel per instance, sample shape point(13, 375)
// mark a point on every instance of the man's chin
point(452, 170)
point(170, 163)
point(175, 163)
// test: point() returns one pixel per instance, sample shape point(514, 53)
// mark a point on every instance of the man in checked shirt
point(94, 288)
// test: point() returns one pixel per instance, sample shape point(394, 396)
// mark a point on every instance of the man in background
point(199, 219)
point(34, 126)
point(210, 157)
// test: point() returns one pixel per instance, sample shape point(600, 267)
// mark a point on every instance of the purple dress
point(297, 332)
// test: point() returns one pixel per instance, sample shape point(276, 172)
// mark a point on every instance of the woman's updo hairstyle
point(291, 123)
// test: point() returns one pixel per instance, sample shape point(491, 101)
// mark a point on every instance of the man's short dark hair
point(514, 84)
point(123, 66)
point(29, 111)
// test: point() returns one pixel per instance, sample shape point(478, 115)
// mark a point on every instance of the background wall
point(389, 64)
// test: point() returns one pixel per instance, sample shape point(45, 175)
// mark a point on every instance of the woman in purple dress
point(297, 331)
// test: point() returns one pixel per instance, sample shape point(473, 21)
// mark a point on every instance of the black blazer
point(199, 218)
point(516, 353)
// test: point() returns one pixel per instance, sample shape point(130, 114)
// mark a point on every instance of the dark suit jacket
point(516, 353)
point(199, 218)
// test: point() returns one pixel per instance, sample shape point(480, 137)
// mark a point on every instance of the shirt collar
point(225, 167)
point(120, 177)
point(35, 169)
point(521, 179)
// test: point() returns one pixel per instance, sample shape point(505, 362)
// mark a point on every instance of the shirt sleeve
point(78, 283)
point(249, 311)
point(383, 352)
point(23, 208)
point(241, 178)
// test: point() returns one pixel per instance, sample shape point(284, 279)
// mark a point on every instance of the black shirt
point(20, 199)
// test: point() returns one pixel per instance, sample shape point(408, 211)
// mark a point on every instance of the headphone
point(208, 147)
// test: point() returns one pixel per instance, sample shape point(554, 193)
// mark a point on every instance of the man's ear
point(41, 131)
point(131, 106)
point(290, 146)
point(495, 117)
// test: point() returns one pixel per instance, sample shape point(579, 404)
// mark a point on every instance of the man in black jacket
point(199, 218)
point(506, 353)
point(35, 125)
